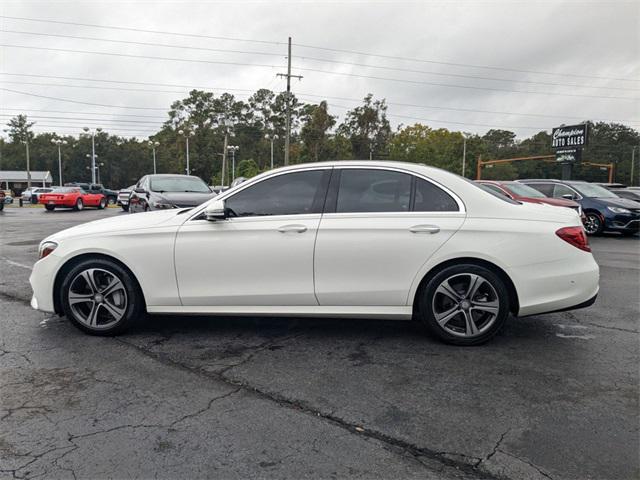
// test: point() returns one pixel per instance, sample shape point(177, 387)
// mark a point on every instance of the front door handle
point(292, 228)
point(424, 229)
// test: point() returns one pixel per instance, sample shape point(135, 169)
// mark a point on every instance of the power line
point(315, 47)
point(302, 94)
point(420, 82)
point(97, 87)
point(79, 119)
point(127, 55)
point(459, 75)
point(322, 60)
point(131, 29)
point(23, 109)
point(104, 128)
point(79, 102)
point(465, 65)
point(401, 80)
point(147, 44)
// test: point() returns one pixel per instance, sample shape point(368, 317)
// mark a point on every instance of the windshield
point(523, 190)
point(179, 184)
point(593, 190)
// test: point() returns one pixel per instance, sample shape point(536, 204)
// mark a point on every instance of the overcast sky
point(546, 60)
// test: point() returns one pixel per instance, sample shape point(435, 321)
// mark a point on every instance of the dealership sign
point(570, 136)
point(568, 155)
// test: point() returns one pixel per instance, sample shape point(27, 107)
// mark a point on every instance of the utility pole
point(26, 142)
point(288, 119)
point(464, 153)
point(633, 157)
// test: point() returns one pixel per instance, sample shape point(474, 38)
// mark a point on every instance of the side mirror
point(140, 190)
point(568, 196)
point(215, 211)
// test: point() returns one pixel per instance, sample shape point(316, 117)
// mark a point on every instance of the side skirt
point(383, 312)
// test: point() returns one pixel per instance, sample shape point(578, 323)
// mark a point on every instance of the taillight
point(575, 236)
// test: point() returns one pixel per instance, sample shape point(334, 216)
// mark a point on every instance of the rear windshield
point(523, 190)
point(179, 184)
point(495, 194)
point(66, 190)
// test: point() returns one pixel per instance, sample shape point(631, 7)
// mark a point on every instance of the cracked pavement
point(553, 396)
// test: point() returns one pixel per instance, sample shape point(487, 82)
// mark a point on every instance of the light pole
point(59, 143)
point(26, 143)
point(93, 132)
point(271, 138)
point(187, 135)
point(96, 168)
point(233, 149)
point(633, 158)
point(153, 146)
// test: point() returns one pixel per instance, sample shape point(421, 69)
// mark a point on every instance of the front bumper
point(624, 222)
point(41, 279)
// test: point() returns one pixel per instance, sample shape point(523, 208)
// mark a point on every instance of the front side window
point(362, 190)
point(560, 190)
point(294, 193)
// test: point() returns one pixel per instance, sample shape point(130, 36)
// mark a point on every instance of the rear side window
point(364, 190)
point(289, 194)
point(429, 198)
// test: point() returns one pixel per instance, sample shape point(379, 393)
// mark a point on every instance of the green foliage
point(247, 168)
point(314, 137)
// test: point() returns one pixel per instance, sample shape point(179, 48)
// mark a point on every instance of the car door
point(262, 255)
point(136, 201)
point(379, 227)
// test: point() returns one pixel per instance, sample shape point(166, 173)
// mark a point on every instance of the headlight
point(46, 248)
point(161, 205)
point(619, 210)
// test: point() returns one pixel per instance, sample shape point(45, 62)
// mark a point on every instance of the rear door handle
point(424, 229)
point(292, 228)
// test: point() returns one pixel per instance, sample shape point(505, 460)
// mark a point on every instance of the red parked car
point(72, 197)
point(524, 193)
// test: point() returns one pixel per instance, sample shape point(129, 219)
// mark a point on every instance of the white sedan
point(336, 239)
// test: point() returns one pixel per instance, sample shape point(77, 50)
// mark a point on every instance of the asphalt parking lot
point(554, 396)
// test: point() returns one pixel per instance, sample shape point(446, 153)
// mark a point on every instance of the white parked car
point(336, 239)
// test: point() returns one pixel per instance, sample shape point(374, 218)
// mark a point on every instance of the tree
point(20, 129)
point(248, 168)
point(316, 126)
point(367, 128)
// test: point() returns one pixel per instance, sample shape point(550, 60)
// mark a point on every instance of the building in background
point(16, 180)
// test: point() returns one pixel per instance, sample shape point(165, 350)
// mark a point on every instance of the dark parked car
point(162, 191)
point(623, 191)
point(110, 195)
point(605, 211)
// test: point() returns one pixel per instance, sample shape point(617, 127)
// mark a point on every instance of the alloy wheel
point(97, 298)
point(465, 305)
point(592, 224)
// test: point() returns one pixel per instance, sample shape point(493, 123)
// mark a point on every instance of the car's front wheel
point(100, 297)
point(102, 204)
point(125, 208)
point(464, 304)
point(593, 224)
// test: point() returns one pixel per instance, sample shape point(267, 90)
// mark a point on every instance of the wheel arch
point(72, 262)
point(514, 302)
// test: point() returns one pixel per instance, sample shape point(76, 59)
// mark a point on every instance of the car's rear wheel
point(79, 204)
point(50, 208)
point(102, 204)
point(593, 225)
point(464, 304)
point(100, 297)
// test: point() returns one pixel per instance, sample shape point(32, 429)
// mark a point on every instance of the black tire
point(79, 205)
point(125, 207)
point(103, 204)
point(1, 204)
point(594, 224)
point(488, 324)
point(50, 208)
point(111, 200)
point(134, 302)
